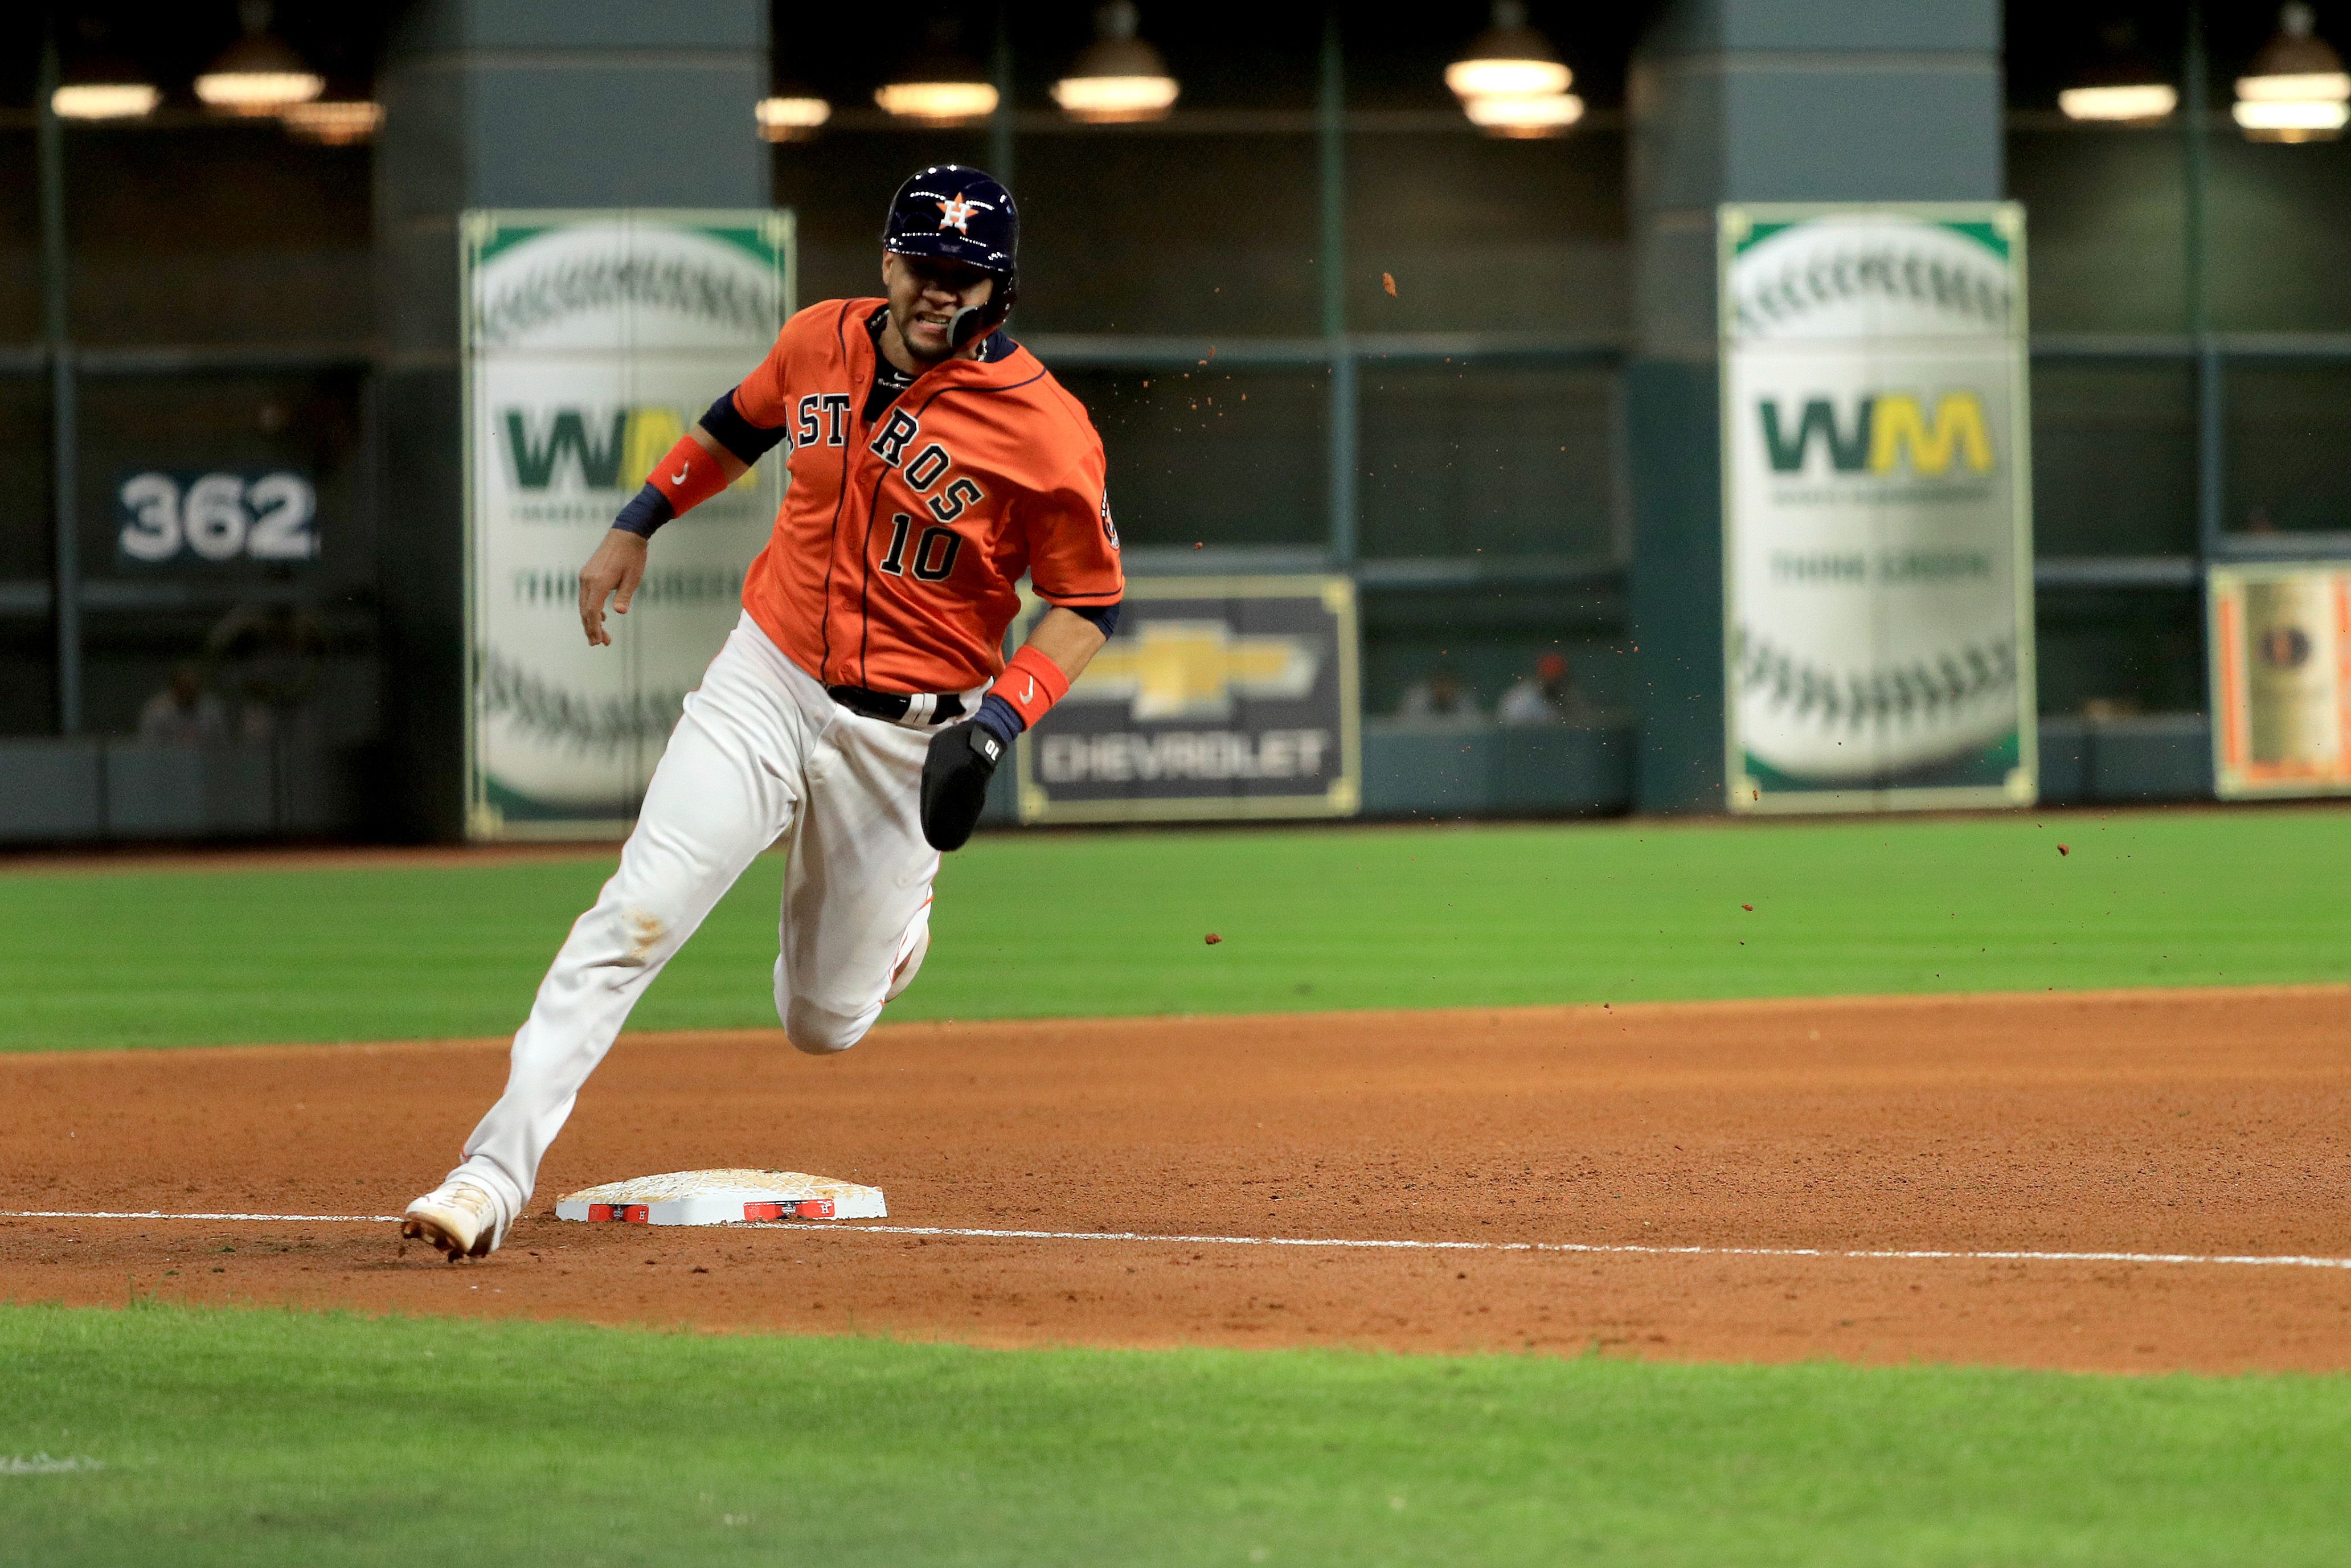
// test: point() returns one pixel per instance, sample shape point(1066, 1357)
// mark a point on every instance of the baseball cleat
point(458, 1217)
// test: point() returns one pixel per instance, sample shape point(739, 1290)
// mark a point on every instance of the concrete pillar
point(516, 103)
point(1759, 100)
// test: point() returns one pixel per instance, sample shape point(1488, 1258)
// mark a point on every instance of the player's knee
point(633, 933)
point(820, 1030)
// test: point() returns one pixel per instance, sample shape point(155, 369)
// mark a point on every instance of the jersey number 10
point(934, 554)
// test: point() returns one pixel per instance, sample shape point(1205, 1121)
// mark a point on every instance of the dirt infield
point(2184, 1123)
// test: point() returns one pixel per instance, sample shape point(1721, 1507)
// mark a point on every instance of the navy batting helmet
point(960, 214)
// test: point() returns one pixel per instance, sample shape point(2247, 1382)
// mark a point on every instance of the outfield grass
point(258, 1437)
point(1316, 918)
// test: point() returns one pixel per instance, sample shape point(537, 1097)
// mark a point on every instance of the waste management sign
point(1219, 697)
point(592, 341)
point(1876, 507)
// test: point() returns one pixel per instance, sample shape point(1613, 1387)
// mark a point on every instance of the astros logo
point(958, 210)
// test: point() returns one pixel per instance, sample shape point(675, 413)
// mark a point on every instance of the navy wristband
point(647, 509)
point(999, 718)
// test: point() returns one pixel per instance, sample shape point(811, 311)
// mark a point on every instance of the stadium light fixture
point(260, 73)
point(1118, 79)
point(2297, 89)
point(792, 116)
point(2125, 86)
point(106, 95)
point(1508, 59)
point(939, 86)
point(1524, 114)
point(100, 84)
point(335, 122)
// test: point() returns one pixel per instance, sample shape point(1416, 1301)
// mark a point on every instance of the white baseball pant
point(761, 753)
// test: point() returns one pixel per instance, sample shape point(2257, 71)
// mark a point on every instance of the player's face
point(925, 292)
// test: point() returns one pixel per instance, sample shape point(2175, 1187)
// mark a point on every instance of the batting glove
point(955, 782)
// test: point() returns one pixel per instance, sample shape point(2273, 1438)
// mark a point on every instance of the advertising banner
point(2281, 657)
point(592, 341)
point(1876, 503)
point(1219, 697)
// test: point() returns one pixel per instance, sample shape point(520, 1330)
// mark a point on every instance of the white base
point(723, 1197)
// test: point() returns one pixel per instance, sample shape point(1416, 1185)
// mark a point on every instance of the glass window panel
point(2113, 652)
point(1474, 645)
point(218, 233)
point(1506, 460)
point(2289, 449)
point(26, 527)
point(29, 673)
point(2113, 459)
point(1210, 457)
point(1486, 234)
point(1176, 234)
point(2104, 210)
point(20, 238)
point(2279, 248)
point(268, 662)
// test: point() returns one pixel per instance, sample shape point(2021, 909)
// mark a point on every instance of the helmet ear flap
point(978, 320)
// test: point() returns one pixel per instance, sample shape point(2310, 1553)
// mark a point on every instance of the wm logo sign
point(600, 451)
point(1886, 431)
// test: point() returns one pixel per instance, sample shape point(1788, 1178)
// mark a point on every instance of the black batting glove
point(956, 772)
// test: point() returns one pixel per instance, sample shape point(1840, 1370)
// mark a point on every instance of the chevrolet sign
point(1219, 697)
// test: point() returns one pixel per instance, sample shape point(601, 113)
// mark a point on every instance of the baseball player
point(859, 707)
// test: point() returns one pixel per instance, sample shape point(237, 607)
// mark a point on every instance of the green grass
point(259, 1438)
point(1112, 923)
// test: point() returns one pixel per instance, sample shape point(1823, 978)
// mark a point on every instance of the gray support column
point(65, 431)
point(1759, 100)
point(516, 103)
point(1346, 414)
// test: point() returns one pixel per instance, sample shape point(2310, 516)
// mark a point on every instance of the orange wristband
point(1031, 683)
point(689, 476)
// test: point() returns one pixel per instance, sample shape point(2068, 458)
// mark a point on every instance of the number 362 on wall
point(218, 517)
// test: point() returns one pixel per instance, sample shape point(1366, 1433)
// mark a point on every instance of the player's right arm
point(739, 429)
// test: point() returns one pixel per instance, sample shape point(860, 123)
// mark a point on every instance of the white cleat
point(459, 1217)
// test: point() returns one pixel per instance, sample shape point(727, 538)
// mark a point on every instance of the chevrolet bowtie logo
point(1194, 669)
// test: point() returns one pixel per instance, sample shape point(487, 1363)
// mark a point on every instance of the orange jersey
point(898, 547)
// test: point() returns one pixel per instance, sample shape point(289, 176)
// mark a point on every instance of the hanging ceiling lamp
point(1508, 59)
point(1524, 114)
point(2296, 89)
point(101, 89)
point(2125, 86)
point(1511, 82)
point(939, 86)
point(335, 121)
point(793, 114)
point(259, 74)
point(1119, 79)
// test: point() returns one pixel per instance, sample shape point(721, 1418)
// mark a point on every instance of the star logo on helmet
point(958, 210)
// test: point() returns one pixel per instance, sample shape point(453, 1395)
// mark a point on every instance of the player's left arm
point(1070, 639)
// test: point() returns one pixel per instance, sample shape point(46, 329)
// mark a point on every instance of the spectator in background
point(1547, 696)
point(271, 654)
point(183, 712)
point(1437, 694)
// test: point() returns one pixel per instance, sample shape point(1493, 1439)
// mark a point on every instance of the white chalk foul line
point(1633, 1249)
point(1628, 1249)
